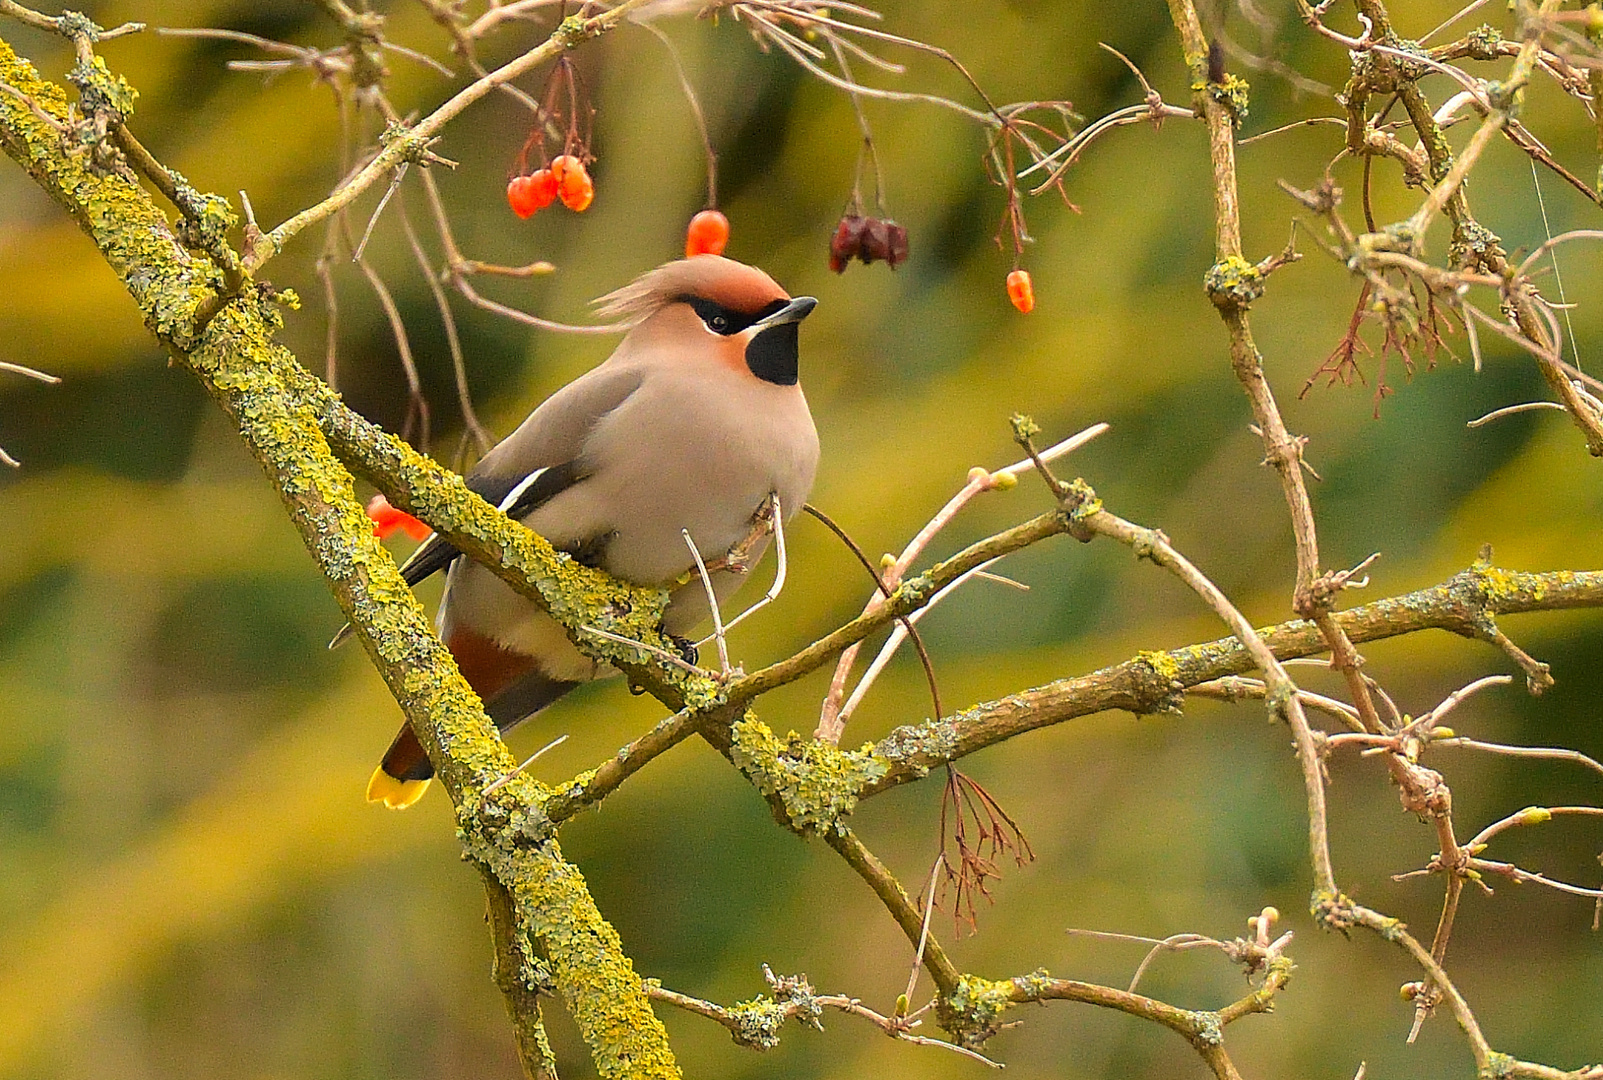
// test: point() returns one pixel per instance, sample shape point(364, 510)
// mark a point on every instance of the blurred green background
point(190, 882)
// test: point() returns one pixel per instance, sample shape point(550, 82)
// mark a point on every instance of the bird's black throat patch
point(774, 356)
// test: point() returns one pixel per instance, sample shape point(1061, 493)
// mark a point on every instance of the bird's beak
point(793, 312)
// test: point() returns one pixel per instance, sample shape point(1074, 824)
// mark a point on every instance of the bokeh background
point(190, 882)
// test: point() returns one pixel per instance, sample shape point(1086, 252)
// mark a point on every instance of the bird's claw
point(686, 648)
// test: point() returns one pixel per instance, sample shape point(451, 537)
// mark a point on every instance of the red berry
point(574, 186)
point(386, 518)
point(544, 187)
point(707, 235)
point(1021, 290)
point(521, 197)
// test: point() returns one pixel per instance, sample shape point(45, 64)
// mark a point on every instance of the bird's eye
point(717, 318)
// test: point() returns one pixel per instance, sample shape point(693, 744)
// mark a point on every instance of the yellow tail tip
point(393, 793)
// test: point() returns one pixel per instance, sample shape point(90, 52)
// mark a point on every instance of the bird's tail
point(404, 774)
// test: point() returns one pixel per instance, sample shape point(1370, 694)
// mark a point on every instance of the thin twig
point(804, 1007)
point(899, 634)
point(1283, 699)
point(712, 605)
point(775, 524)
point(32, 373)
point(885, 592)
point(464, 397)
point(530, 760)
point(650, 650)
point(1513, 410)
point(1551, 753)
point(979, 480)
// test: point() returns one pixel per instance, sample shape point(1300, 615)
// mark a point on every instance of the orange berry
point(526, 194)
point(578, 196)
point(1021, 290)
point(562, 162)
point(520, 196)
point(707, 235)
point(574, 186)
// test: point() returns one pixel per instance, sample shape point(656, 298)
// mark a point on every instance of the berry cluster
point(868, 239)
point(566, 179)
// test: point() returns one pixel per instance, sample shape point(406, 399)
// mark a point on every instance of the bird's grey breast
point(690, 449)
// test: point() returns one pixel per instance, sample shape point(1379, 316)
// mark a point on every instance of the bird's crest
point(711, 277)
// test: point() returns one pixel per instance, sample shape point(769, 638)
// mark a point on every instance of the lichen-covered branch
point(1233, 284)
point(1150, 682)
point(757, 1023)
point(228, 344)
point(1203, 1029)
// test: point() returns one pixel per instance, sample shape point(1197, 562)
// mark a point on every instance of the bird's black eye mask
point(726, 321)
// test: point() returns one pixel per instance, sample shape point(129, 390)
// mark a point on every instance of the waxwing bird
point(690, 425)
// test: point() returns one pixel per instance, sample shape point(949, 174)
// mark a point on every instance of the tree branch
point(560, 937)
point(1153, 681)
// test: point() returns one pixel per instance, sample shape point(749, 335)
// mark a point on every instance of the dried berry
point(707, 234)
point(867, 239)
point(876, 245)
point(896, 255)
point(846, 243)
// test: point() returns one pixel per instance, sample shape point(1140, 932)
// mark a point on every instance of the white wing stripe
point(522, 486)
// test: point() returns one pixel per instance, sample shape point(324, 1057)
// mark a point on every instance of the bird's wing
point(525, 496)
point(534, 464)
point(556, 432)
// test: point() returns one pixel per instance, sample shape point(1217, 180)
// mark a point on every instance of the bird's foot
point(687, 650)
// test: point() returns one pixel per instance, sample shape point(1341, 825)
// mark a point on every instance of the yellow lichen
point(1162, 664)
point(814, 783)
point(566, 935)
point(973, 1011)
point(1233, 282)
